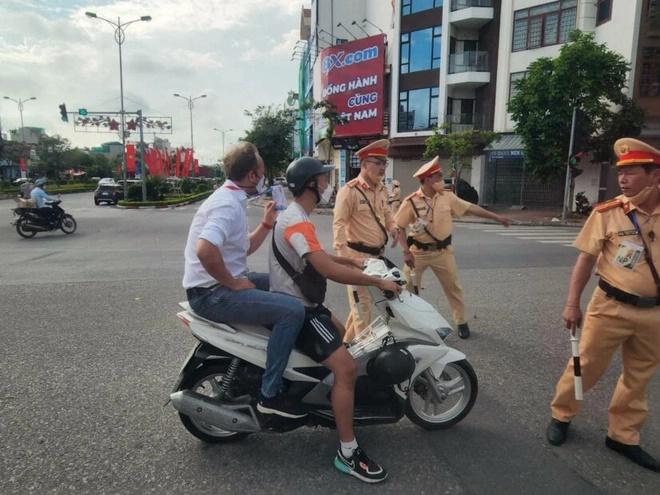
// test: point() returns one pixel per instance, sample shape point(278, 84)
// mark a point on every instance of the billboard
point(352, 80)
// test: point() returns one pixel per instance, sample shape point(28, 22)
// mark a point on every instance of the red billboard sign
point(352, 80)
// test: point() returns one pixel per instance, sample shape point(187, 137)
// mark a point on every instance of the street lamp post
point(120, 37)
point(223, 132)
point(190, 100)
point(20, 103)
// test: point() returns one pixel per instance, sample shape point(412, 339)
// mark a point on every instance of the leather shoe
point(463, 330)
point(557, 431)
point(635, 453)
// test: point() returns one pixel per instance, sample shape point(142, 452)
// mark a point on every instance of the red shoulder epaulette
point(608, 205)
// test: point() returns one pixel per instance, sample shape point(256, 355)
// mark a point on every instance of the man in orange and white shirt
point(297, 246)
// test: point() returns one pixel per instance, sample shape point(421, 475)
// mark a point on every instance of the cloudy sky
point(236, 51)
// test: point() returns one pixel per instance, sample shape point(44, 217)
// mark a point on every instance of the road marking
point(543, 235)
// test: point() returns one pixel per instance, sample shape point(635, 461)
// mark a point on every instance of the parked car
point(108, 193)
point(106, 180)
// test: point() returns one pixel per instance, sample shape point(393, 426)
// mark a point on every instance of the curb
point(159, 207)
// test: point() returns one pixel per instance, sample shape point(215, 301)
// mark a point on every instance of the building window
point(604, 11)
point(513, 80)
point(649, 79)
point(543, 25)
point(653, 15)
point(418, 109)
point(420, 50)
point(413, 6)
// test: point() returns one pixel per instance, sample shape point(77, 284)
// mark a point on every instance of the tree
point(51, 152)
point(585, 75)
point(460, 146)
point(272, 133)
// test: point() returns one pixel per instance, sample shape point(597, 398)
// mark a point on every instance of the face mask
point(326, 195)
point(438, 187)
point(641, 196)
point(260, 185)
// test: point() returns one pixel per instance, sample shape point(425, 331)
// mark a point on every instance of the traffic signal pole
point(567, 183)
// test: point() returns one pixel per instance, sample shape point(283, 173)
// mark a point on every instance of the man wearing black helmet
point(299, 266)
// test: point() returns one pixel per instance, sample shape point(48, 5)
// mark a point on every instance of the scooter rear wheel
point(20, 228)
point(206, 381)
point(455, 391)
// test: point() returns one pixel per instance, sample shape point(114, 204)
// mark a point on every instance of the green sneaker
point(360, 466)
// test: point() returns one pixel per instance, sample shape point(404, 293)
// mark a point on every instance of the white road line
point(555, 241)
point(541, 232)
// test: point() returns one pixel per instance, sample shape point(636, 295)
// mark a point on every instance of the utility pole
point(567, 183)
point(143, 166)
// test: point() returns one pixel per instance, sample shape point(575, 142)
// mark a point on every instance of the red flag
point(196, 167)
point(187, 162)
point(22, 164)
point(177, 163)
point(130, 158)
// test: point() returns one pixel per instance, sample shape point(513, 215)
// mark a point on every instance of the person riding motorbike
point(300, 267)
point(42, 199)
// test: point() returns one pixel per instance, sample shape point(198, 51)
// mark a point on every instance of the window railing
point(466, 4)
point(468, 62)
point(459, 122)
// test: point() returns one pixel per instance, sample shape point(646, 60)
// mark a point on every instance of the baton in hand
point(577, 371)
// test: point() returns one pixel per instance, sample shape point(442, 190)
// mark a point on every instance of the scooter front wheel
point(440, 399)
point(68, 225)
point(206, 381)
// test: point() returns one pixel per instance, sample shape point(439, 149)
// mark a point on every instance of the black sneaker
point(281, 405)
point(463, 330)
point(360, 466)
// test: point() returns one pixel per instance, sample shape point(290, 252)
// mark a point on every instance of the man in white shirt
point(216, 278)
point(298, 249)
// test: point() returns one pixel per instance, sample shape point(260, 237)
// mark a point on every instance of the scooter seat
point(227, 327)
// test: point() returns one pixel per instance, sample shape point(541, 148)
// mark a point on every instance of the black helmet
point(393, 364)
point(300, 171)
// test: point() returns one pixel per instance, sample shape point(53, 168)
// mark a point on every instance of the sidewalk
point(549, 217)
point(530, 217)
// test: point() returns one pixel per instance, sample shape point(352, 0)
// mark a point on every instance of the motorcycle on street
point(31, 220)
point(404, 368)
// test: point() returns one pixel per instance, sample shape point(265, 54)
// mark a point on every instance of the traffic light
point(574, 163)
point(63, 115)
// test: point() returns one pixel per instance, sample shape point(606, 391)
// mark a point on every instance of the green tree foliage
point(460, 146)
point(51, 153)
point(272, 133)
point(586, 75)
point(13, 151)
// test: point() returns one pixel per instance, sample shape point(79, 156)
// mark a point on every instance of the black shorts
point(318, 338)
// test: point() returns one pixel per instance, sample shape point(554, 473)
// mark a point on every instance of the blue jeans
point(257, 307)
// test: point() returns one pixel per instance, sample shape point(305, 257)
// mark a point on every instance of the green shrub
point(187, 186)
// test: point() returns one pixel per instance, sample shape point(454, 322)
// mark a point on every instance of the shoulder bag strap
point(647, 251)
point(373, 213)
point(419, 216)
point(283, 262)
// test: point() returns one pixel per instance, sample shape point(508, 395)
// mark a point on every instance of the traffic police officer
point(620, 238)
point(362, 224)
point(395, 196)
point(428, 214)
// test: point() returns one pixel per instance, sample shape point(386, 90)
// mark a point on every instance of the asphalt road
point(91, 346)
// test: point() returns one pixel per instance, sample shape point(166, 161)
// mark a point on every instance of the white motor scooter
point(404, 367)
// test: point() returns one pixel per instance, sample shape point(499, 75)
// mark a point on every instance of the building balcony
point(468, 69)
point(471, 14)
point(464, 122)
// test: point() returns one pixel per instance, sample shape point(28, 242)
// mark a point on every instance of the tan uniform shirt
point(353, 220)
point(435, 213)
point(611, 236)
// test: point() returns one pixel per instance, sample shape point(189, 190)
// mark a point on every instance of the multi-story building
point(29, 135)
point(455, 62)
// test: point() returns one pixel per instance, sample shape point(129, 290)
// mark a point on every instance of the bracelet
point(266, 226)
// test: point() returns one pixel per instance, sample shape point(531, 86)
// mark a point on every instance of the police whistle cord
point(577, 370)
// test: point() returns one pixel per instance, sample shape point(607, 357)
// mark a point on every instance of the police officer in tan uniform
point(621, 239)
point(395, 196)
point(427, 213)
point(362, 224)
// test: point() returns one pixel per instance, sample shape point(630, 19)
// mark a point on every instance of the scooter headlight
point(444, 332)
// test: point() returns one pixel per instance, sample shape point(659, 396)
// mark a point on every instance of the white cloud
point(236, 51)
